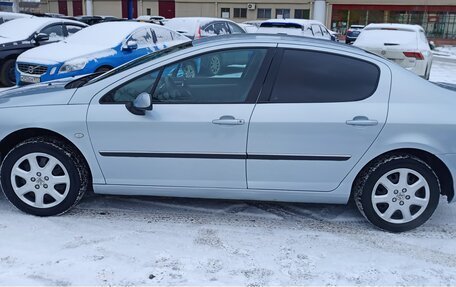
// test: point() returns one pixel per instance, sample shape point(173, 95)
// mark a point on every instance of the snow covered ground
point(159, 241)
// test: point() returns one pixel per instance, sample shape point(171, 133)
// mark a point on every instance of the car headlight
point(73, 65)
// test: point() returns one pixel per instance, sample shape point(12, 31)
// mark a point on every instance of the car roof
point(201, 20)
point(47, 20)
point(405, 27)
point(275, 38)
point(294, 21)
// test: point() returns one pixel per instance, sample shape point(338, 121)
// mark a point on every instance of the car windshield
point(142, 60)
point(19, 28)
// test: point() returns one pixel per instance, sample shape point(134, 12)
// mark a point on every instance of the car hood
point(52, 93)
point(61, 52)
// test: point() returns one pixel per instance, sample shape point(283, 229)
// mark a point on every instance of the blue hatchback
point(95, 49)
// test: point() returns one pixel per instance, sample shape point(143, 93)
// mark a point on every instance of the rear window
point(389, 36)
point(318, 77)
point(280, 25)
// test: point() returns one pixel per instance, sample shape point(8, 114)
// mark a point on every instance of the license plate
point(30, 79)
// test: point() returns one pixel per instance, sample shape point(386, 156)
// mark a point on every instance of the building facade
point(437, 17)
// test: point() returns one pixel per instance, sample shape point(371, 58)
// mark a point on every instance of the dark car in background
point(92, 20)
point(20, 35)
point(353, 33)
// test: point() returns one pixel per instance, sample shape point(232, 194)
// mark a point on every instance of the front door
point(196, 134)
point(317, 117)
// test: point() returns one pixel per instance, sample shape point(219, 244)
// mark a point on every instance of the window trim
point(252, 96)
point(271, 79)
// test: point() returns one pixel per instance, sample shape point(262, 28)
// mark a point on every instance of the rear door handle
point(361, 121)
point(228, 121)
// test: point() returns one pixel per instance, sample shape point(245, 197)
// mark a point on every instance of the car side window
point(209, 30)
point(220, 77)
point(130, 90)
point(324, 31)
point(71, 29)
point(316, 30)
point(143, 37)
point(319, 77)
point(163, 35)
point(235, 29)
point(55, 32)
point(220, 28)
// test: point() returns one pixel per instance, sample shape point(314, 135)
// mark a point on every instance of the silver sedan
point(280, 119)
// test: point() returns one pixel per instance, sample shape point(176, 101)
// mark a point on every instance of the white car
point(295, 27)
point(200, 27)
point(8, 16)
point(403, 44)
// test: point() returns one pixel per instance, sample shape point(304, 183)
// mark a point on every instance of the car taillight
point(416, 55)
point(198, 33)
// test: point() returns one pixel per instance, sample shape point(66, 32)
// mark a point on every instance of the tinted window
point(73, 29)
point(316, 77)
point(221, 77)
point(221, 28)
point(54, 32)
point(240, 12)
point(264, 13)
point(129, 91)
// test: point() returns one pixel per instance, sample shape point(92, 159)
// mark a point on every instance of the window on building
point(149, 11)
point(264, 13)
point(240, 12)
point(283, 13)
point(302, 13)
point(304, 76)
point(225, 13)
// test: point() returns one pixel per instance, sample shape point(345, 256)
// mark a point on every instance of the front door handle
point(361, 121)
point(228, 121)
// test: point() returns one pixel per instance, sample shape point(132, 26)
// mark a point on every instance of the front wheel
point(43, 176)
point(397, 193)
point(8, 73)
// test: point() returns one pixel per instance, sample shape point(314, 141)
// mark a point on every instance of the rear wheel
point(397, 193)
point(44, 176)
point(8, 73)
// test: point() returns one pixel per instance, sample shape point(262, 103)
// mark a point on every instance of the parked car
point(295, 27)
point(256, 23)
point(403, 44)
point(92, 20)
point(98, 48)
point(8, 16)
point(151, 19)
point(353, 33)
point(148, 128)
point(199, 27)
point(20, 35)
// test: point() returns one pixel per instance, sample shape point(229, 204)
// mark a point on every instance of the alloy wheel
point(40, 180)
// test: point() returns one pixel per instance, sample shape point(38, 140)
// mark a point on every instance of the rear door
point(315, 119)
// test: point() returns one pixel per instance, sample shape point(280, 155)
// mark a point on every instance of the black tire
point(7, 73)
point(72, 161)
point(366, 182)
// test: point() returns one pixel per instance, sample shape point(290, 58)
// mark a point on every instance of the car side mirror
point(140, 105)
point(41, 37)
point(130, 45)
point(432, 45)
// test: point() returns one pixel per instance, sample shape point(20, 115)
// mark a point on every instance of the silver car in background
point(250, 132)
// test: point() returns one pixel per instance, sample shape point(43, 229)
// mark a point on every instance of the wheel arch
point(16, 137)
point(438, 166)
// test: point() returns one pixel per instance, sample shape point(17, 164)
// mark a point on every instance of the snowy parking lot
point(160, 241)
